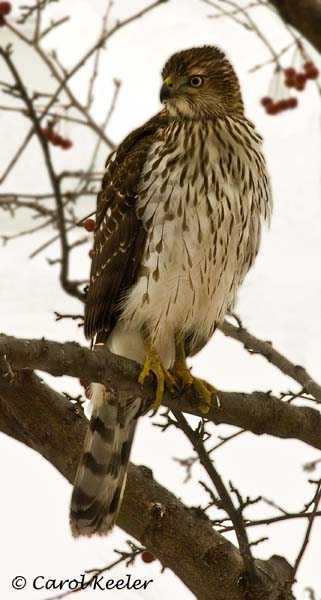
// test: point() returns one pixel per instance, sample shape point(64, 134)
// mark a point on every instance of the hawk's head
point(200, 82)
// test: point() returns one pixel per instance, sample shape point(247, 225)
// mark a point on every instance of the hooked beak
point(166, 91)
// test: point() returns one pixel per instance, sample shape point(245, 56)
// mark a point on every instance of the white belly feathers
point(201, 202)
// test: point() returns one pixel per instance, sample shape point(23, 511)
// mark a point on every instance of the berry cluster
point(55, 139)
point(273, 108)
point(5, 9)
point(297, 79)
point(278, 100)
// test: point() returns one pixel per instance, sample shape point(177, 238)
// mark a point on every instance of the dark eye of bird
point(196, 81)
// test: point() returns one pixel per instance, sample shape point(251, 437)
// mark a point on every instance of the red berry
point(91, 253)
point(312, 73)
point(308, 65)
point(266, 101)
point(84, 383)
point(5, 8)
point(89, 224)
point(147, 557)
point(272, 109)
point(292, 102)
point(301, 78)
point(290, 82)
point(286, 104)
point(66, 144)
point(290, 72)
point(55, 138)
point(282, 105)
point(300, 87)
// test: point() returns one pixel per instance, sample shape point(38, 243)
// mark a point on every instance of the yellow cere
point(169, 81)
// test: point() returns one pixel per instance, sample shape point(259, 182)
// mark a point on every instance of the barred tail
point(101, 475)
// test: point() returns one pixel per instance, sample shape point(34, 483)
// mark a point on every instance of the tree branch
point(304, 15)
point(66, 284)
point(225, 498)
point(182, 538)
point(258, 412)
point(257, 346)
point(312, 516)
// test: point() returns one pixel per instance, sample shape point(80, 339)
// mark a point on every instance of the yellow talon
point(153, 364)
point(181, 370)
point(205, 390)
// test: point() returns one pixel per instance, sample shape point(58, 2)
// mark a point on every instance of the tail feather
point(101, 475)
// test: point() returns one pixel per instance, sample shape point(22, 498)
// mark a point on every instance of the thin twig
point(256, 346)
point(312, 516)
point(270, 520)
point(227, 502)
point(66, 284)
point(128, 557)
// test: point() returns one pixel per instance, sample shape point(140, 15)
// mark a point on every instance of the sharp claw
point(183, 373)
point(143, 374)
point(169, 379)
point(205, 406)
point(154, 365)
point(206, 391)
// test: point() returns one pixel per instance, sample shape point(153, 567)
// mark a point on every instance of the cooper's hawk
point(178, 227)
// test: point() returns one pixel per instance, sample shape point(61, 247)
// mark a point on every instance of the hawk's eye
point(196, 81)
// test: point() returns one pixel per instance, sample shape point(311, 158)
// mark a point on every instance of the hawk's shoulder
point(119, 236)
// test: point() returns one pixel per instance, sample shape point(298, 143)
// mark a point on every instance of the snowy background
point(280, 301)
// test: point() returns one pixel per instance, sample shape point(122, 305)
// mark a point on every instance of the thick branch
point(182, 538)
point(257, 412)
point(304, 15)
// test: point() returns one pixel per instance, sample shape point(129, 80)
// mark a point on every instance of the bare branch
point(17, 155)
point(257, 412)
point(249, 24)
point(127, 557)
point(180, 537)
point(316, 500)
point(304, 15)
point(63, 80)
point(67, 285)
point(227, 502)
point(257, 346)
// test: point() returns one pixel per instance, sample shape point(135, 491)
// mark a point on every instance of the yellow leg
point(181, 370)
point(153, 364)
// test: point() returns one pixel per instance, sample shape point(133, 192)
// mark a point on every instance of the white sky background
point(280, 300)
